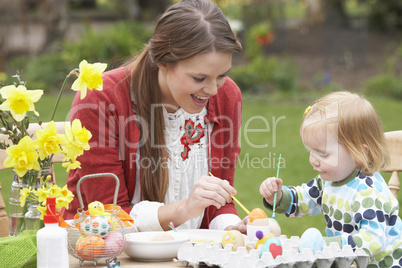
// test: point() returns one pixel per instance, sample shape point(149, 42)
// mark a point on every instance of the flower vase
point(26, 217)
point(32, 217)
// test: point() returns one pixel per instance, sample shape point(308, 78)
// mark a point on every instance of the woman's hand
point(241, 226)
point(268, 189)
point(208, 191)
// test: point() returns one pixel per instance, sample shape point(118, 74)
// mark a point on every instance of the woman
point(163, 122)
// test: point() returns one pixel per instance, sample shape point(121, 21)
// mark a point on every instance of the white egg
point(275, 228)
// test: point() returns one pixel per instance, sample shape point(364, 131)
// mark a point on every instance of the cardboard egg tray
point(212, 254)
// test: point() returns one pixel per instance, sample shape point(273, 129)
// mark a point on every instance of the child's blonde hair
point(359, 127)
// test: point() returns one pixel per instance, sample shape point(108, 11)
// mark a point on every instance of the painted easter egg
point(258, 217)
point(272, 245)
point(275, 228)
point(233, 237)
point(263, 239)
point(114, 244)
point(89, 247)
point(97, 225)
point(312, 239)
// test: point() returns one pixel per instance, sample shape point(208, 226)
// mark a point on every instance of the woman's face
point(190, 83)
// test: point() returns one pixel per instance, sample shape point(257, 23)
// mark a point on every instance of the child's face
point(328, 157)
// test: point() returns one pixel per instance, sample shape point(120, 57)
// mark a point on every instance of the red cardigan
point(115, 137)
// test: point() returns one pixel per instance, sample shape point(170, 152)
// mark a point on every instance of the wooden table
point(125, 262)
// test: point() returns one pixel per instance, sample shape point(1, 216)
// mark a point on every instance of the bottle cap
point(51, 216)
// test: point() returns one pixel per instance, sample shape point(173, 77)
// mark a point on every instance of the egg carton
point(213, 254)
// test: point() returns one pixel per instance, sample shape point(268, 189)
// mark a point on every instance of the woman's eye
point(199, 80)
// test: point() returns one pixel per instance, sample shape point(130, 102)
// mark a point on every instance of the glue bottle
point(51, 240)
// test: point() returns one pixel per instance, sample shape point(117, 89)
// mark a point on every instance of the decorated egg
point(275, 228)
point(114, 244)
point(97, 225)
point(89, 247)
point(233, 237)
point(272, 245)
point(263, 238)
point(257, 222)
point(312, 239)
point(258, 217)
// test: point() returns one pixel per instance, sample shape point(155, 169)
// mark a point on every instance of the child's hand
point(268, 189)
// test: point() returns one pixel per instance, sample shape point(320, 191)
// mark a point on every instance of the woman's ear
point(162, 66)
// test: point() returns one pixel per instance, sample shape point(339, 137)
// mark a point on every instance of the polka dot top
point(361, 210)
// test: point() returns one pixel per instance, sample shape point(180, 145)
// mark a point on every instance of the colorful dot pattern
point(362, 211)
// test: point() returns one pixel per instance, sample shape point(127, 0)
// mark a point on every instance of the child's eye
point(323, 155)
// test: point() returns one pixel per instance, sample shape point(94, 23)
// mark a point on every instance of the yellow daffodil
point(24, 193)
point(48, 141)
point(22, 157)
point(66, 193)
point(71, 164)
point(42, 209)
point(54, 191)
point(77, 138)
point(63, 196)
point(19, 100)
point(62, 202)
point(42, 193)
point(90, 77)
point(48, 178)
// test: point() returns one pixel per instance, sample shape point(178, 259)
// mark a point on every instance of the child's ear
point(366, 148)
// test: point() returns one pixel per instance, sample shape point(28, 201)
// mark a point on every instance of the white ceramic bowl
point(141, 247)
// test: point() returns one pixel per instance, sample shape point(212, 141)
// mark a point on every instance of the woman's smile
point(199, 101)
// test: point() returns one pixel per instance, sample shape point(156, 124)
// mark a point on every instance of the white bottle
point(51, 240)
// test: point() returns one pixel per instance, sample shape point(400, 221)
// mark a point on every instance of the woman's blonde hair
point(358, 127)
point(184, 30)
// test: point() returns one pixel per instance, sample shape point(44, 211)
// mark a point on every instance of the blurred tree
point(55, 21)
point(129, 8)
point(335, 13)
point(87, 4)
point(383, 15)
point(386, 15)
point(149, 9)
point(315, 12)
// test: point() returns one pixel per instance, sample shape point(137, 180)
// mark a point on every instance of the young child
point(344, 137)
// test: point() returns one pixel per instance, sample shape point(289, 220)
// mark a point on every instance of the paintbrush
point(235, 199)
point(277, 175)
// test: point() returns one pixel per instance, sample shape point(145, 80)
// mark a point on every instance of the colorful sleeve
point(305, 199)
point(377, 218)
